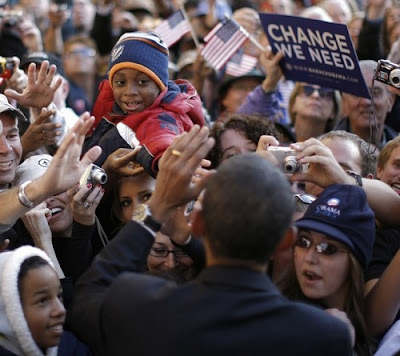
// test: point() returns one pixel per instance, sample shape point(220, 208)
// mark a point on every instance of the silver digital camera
point(388, 73)
point(93, 175)
point(287, 161)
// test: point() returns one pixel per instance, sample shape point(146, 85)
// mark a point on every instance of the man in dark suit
point(232, 307)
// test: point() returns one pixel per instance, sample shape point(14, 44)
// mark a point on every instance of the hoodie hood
point(14, 331)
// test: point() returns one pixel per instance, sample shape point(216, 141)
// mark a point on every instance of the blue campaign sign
point(315, 52)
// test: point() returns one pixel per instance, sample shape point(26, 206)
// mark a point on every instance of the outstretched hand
point(41, 87)
point(66, 167)
point(174, 186)
point(122, 162)
point(270, 62)
point(41, 132)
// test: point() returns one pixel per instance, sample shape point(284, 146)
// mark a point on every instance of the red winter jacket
point(175, 110)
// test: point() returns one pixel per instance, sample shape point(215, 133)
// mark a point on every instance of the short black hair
point(28, 264)
point(248, 206)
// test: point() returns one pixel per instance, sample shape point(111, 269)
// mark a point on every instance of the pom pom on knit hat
point(142, 51)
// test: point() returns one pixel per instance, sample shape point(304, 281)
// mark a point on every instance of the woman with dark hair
point(131, 188)
point(240, 133)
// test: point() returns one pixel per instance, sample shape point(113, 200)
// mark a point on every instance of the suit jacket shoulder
point(224, 311)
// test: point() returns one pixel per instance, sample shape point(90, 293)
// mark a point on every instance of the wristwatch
point(356, 176)
point(142, 215)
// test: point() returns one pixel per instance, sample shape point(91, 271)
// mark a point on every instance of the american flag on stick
point(172, 29)
point(222, 43)
point(240, 64)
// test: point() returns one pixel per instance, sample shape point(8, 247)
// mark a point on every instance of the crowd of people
point(151, 204)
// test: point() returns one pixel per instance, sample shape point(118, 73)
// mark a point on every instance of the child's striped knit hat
point(143, 51)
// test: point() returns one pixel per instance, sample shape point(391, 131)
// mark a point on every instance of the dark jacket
point(224, 311)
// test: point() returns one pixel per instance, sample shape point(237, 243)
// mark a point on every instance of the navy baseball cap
point(342, 213)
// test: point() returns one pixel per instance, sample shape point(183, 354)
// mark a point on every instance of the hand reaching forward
point(177, 166)
point(41, 87)
point(122, 162)
point(270, 63)
point(41, 132)
point(66, 168)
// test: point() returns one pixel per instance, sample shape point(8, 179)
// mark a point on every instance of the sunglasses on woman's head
point(324, 93)
point(324, 248)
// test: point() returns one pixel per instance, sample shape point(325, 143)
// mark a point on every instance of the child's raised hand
point(122, 162)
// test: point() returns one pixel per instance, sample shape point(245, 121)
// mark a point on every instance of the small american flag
point(222, 43)
point(172, 29)
point(240, 64)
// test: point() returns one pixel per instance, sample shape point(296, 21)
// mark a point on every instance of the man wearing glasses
point(231, 307)
point(366, 117)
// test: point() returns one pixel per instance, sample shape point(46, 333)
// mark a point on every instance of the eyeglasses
point(163, 252)
point(324, 93)
point(85, 52)
point(305, 198)
point(324, 248)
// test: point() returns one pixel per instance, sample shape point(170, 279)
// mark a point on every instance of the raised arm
point(126, 252)
point(63, 172)
point(325, 170)
point(41, 87)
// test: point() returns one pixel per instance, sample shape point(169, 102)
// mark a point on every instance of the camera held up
point(287, 161)
point(93, 175)
point(388, 73)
